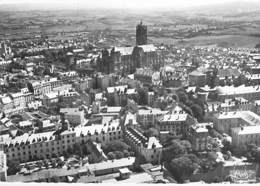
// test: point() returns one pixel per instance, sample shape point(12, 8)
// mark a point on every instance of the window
point(47, 144)
point(68, 141)
point(152, 156)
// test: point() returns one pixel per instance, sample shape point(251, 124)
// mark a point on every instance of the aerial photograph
point(130, 92)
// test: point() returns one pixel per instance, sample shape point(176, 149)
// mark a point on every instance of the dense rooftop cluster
point(81, 114)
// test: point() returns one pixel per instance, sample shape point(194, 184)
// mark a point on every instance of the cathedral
point(125, 60)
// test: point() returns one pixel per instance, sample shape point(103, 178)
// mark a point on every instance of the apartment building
point(225, 121)
point(247, 92)
point(147, 116)
point(45, 86)
point(44, 145)
point(176, 123)
point(198, 136)
point(149, 148)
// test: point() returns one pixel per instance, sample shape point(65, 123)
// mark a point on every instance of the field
point(118, 27)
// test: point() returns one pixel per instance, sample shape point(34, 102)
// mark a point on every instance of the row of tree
point(193, 106)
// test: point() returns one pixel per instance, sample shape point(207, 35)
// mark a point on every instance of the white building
point(177, 123)
point(247, 92)
point(45, 145)
point(225, 121)
point(44, 86)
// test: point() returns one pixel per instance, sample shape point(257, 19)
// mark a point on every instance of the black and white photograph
point(129, 92)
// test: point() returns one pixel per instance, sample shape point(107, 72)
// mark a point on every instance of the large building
point(176, 123)
point(247, 92)
point(148, 116)
point(150, 148)
point(225, 121)
point(28, 147)
point(125, 60)
point(141, 34)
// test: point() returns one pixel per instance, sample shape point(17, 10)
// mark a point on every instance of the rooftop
point(117, 88)
point(173, 117)
point(247, 130)
point(249, 117)
point(231, 90)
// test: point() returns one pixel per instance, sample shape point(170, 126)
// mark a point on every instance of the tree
point(119, 154)
point(227, 145)
point(45, 163)
point(175, 97)
point(92, 158)
point(70, 151)
point(60, 163)
point(186, 109)
point(12, 167)
point(142, 95)
point(111, 156)
point(176, 149)
point(53, 163)
point(183, 167)
point(187, 145)
point(253, 152)
point(182, 97)
point(197, 112)
point(126, 153)
point(78, 149)
point(116, 146)
point(39, 164)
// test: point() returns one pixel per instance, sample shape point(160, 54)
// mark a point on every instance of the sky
point(132, 4)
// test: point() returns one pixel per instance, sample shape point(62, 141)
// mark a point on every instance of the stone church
point(125, 60)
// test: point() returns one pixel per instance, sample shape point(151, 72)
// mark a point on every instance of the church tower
point(141, 34)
